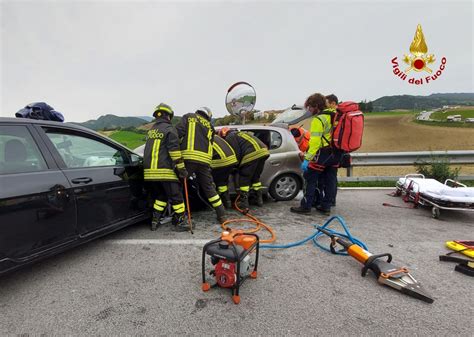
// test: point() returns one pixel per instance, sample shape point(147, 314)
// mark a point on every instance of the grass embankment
point(469, 183)
point(129, 139)
point(439, 118)
point(442, 115)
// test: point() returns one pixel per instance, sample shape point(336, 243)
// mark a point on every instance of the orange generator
point(234, 258)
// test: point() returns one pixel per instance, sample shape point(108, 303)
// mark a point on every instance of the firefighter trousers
point(249, 175)
point(168, 191)
point(205, 181)
point(221, 178)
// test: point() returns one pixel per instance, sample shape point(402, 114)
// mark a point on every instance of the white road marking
point(164, 242)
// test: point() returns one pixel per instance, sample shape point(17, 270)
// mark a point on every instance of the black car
point(62, 185)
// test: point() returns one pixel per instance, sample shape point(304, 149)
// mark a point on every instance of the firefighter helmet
point(205, 112)
point(163, 108)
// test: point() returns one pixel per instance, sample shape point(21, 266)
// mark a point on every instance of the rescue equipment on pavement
point(465, 266)
point(461, 246)
point(387, 273)
point(430, 192)
point(234, 257)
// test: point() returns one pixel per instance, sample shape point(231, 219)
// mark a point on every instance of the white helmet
point(205, 112)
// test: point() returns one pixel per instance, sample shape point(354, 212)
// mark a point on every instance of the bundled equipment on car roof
point(40, 110)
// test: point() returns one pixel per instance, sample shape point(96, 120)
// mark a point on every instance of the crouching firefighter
point(162, 160)
point(196, 134)
point(251, 154)
point(223, 163)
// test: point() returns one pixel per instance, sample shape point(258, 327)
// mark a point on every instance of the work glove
point(182, 173)
point(304, 165)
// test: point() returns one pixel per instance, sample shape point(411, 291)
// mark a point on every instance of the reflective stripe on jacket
point(247, 147)
point(162, 153)
point(195, 134)
point(223, 154)
point(321, 126)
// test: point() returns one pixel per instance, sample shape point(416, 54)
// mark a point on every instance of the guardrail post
point(349, 171)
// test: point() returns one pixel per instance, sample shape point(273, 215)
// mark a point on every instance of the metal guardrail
point(405, 159)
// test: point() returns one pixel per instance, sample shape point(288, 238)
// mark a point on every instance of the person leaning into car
point(319, 158)
point(223, 163)
point(251, 154)
point(162, 157)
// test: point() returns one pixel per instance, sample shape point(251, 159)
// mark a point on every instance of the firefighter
point(251, 154)
point(196, 134)
point(223, 163)
point(319, 158)
point(162, 159)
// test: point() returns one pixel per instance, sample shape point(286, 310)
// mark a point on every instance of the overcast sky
point(88, 58)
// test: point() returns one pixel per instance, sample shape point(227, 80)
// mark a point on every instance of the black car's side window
point(18, 151)
point(79, 151)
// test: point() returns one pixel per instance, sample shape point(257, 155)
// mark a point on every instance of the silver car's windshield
point(290, 115)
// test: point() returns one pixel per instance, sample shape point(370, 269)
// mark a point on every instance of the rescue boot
point(225, 197)
point(259, 198)
point(179, 223)
point(221, 216)
point(156, 220)
point(244, 201)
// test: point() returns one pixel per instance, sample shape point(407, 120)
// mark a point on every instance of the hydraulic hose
point(316, 235)
point(250, 219)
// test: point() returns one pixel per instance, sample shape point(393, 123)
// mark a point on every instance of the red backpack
point(348, 127)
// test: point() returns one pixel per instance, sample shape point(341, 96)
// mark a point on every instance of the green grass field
point(443, 115)
point(129, 139)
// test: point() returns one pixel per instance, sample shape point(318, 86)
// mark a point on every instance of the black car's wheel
point(285, 187)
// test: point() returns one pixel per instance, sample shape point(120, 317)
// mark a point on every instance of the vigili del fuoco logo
point(419, 63)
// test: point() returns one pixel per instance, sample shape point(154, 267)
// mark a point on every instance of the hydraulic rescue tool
point(387, 273)
point(234, 257)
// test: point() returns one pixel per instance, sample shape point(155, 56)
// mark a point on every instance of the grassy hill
point(112, 122)
point(129, 139)
point(422, 102)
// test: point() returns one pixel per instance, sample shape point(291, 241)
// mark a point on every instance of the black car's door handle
point(83, 180)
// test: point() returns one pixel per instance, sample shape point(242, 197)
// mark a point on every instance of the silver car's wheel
point(285, 187)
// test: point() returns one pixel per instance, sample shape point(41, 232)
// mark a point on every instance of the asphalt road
point(141, 282)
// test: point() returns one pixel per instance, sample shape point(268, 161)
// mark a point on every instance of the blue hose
point(316, 235)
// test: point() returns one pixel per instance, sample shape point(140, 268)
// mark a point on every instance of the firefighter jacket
point(162, 153)
point(223, 154)
point(247, 147)
point(195, 134)
point(321, 133)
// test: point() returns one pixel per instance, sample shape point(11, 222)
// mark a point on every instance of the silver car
point(282, 175)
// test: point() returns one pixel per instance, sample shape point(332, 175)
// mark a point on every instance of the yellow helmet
point(163, 108)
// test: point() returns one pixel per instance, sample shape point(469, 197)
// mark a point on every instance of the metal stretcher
point(451, 195)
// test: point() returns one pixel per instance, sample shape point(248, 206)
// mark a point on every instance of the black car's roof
point(60, 124)
point(43, 122)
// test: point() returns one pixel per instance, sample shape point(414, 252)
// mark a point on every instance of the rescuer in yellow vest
point(319, 158)
point(196, 135)
point(161, 160)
